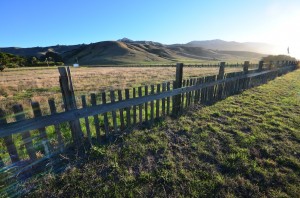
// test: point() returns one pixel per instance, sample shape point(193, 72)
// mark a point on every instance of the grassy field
point(38, 84)
point(244, 146)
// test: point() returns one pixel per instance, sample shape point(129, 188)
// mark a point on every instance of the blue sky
point(29, 23)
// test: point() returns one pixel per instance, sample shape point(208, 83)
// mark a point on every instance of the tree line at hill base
point(54, 59)
point(14, 61)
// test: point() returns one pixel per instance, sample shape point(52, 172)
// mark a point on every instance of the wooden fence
point(251, 65)
point(32, 140)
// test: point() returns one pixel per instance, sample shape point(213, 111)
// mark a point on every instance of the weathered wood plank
point(96, 118)
point(134, 106)
point(140, 106)
point(114, 115)
point(168, 99)
point(106, 123)
point(8, 141)
point(157, 102)
point(67, 91)
point(53, 111)
point(128, 117)
point(146, 104)
point(86, 120)
point(121, 110)
point(20, 116)
point(178, 84)
point(164, 88)
point(43, 135)
point(152, 105)
point(183, 97)
point(187, 101)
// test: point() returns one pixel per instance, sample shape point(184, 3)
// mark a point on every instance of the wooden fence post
point(260, 65)
point(221, 70)
point(10, 145)
point(220, 77)
point(246, 67)
point(178, 84)
point(68, 95)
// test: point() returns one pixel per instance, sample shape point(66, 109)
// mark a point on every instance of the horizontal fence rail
point(39, 122)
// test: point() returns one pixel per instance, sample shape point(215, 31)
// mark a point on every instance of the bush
point(12, 65)
point(2, 67)
point(59, 63)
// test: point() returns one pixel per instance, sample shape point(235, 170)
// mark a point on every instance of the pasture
point(22, 85)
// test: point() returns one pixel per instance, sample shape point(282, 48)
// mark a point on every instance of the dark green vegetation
point(14, 61)
point(246, 145)
point(10, 60)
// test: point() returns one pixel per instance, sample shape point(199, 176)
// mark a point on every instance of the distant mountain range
point(127, 51)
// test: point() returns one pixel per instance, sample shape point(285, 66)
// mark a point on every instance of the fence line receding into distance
point(109, 113)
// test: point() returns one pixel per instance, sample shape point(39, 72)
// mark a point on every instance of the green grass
point(244, 146)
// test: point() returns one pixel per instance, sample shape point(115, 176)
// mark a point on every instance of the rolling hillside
point(126, 51)
point(233, 46)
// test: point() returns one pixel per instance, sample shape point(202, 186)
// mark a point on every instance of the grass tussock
point(244, 146)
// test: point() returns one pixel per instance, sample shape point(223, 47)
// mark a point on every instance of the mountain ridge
point(127, 51)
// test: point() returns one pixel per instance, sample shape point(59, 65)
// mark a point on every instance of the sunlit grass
point(245, 145)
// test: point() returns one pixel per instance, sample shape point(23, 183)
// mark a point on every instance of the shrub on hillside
point(2, 67)
point(275, 58)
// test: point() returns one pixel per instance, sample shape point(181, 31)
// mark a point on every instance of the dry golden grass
point(36, 84)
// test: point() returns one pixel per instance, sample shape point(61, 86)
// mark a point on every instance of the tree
point(51, 56)
point(2, 67)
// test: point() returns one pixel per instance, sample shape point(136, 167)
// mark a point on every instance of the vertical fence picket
point(140, 106)
point(128, 118)
point(121, 111)
point(86, 119)
point(53, 111)
point(105, 117)
point(8, 141)
point(43, 135)
point(114, 115)
point(146, 104)
point(152, 105)
point(187, 94)
point(96, 118)
point(203, 92)
point(182, 96)
point(164, 88)
point(134, 106)
point(20, 115)
point(168, 99)
point(157, 102)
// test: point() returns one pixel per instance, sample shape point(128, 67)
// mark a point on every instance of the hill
point(126, 51)
point(38, 51)
point(233, 46)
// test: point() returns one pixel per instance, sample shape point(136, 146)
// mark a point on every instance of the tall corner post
point(177, 84)
point(68, 95)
